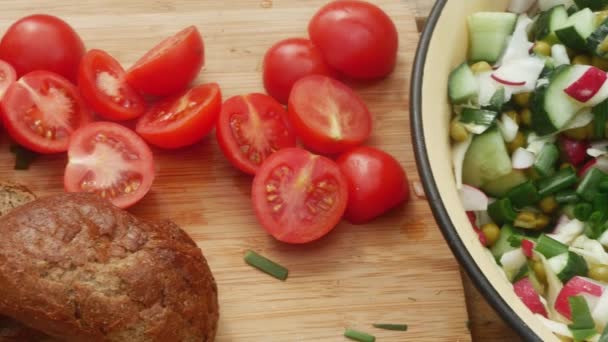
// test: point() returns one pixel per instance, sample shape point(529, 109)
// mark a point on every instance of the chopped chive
point(523, 195)
point(388, 326)
point(582, 211)
point(545, 162)
point(502, 211)
point(359, 336)
point(604, 185)
point(566, 196)
point(588, 186)
point(266, 265)
point(550, 247)
point(563, 179)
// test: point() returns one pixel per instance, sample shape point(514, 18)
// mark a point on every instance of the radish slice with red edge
point(522, 159)
point(480, 235)
point(519, 75)
point(526, 292)
point(575, 287)
point(507, 82)
point(520, 6)
point(590, 164)
point(584, 88)
point(574, 151)
point(473, 199)
point(527, 246)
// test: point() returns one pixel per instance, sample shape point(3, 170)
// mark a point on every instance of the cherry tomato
point(41, 110)
point(376, 183)
point(183, 120)
point(110, 160)
point(357, 38)
point(288, 61)
point(171, 65)
point(42, 42)
point(298, 197)
point(327, 115)
point(252, 127)
point(8, 76)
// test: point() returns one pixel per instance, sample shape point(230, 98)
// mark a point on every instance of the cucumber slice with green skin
point(596, 41)
point(568, 265)
point(503, 245)
point(476, 120)
point(552, 108)
point(550, 21)
point(595, 5)
point(577, 29)
point(499, 187)
point(486, 160)
point(488, 32)
point(462, 84)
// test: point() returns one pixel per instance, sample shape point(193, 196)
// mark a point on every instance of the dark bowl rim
point(432, 191)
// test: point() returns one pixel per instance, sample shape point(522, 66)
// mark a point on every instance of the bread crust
point(77, 268)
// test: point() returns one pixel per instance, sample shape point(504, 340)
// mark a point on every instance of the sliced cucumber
point(486, 160)
point(502, 245)
point(597, 42)
point(595, 5)
point(550, 21)
point(552, 108)
point(488, 32)
point(500, 186)
point(462, 84)
point(568, 265)
point(577, 29)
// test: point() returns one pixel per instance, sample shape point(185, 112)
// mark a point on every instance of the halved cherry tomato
point(7, 77)
point(171, 65)
point(376, 183)
point(42, 42)
point(327, 115)
point(289, 60)
point(252, 127)
point(41, 110)
point(101, 80)
point(110, 160)
point(356, 37)
point(299, 197)
point(183, 120)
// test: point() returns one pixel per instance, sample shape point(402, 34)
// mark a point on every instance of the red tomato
point(42, 42)
point(288, 61)
point(171, 65)
point(42, 110)
point(356, 38)
point(110, 160)
point(327, 115)
point(8, 76)
point(299, 197)
point(183, 120)
point(101, 81)
point(252, 127)
point(376, 183)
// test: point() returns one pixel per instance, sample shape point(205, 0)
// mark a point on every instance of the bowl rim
point(432, 191)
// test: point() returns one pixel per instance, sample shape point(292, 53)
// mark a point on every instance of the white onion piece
point(561, 221)
point(521, 73)
point(595, 152)
point(459, 150)
point(591, 250)
point(601, 163)
point(487, 88)
point(522, 159)
point(582, 119)
point(548, 4)
point(473, 199)
point(518, 46)
point(568, 231)
point(508, 128)
point(560, 55)
point(600, 313)
point(554, 286)
point(520, 6)
point(418, 189)
point(512, 262)
point(604, 239)
point(555, 327)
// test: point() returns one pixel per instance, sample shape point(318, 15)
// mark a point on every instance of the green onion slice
point(359, 336)
point(265, 265)
point(388, 326)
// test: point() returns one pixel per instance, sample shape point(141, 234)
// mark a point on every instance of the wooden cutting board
point(397, 269)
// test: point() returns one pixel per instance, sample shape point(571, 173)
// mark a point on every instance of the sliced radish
point(487, 88)
point(459, 151)
point(588, 85)
point(600, 313)
point(560, 55)
point(600, 97)
point(520, 6)
point(573, 151)
point(527, 246)
point(526, 292)
point(473, 199)
point(519, 75)
point(480, 235)
point(575, 287)
point(522, 159)
point(518, 46)
point(507, 82)
point(588, 165)
point(508, 128)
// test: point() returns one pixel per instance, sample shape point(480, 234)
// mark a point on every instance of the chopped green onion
point(266, 265)
point(550, 247)
point(359, 336)
point(604, 337)
point(396, 327)
point(563, 179)
point(546, 159)
point(566, 197)
point(479, 118)
point(23, 157)
point(599, 122)
point(497, 101)
point(600, 204)
point(596, 225)
point(501, 211)
point(522, 273)
point(523, 195)
point(581, 315)
point(575, 265)
point(604, 185)
point(582, 211)
point(590, 183)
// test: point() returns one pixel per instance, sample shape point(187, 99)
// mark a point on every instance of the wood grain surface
point(397, 269)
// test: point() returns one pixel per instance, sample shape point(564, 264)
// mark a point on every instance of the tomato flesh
point(327, 115)
point(109, 160)
point(8, 76)
point(102, 85)
point(299, 197)
point(252, 127)
point(41, 110)
point(183, 120)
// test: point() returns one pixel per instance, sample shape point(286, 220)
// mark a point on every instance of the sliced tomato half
point(8, 76)
point(41, 110)
point(299, 197)
point(110, 160)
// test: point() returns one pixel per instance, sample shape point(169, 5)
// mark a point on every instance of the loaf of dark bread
point(79, 269)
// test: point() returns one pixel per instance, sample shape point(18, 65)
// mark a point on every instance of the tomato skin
point(170, 66)
point(357, 38)
point(42, 42)
point(85, 173)
point(288, 61)
point(327, 115)
point(245, 122)
point(66, 107)
point(299, 197)
point(376, 183)
point(194, 123)
point(130, 104)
